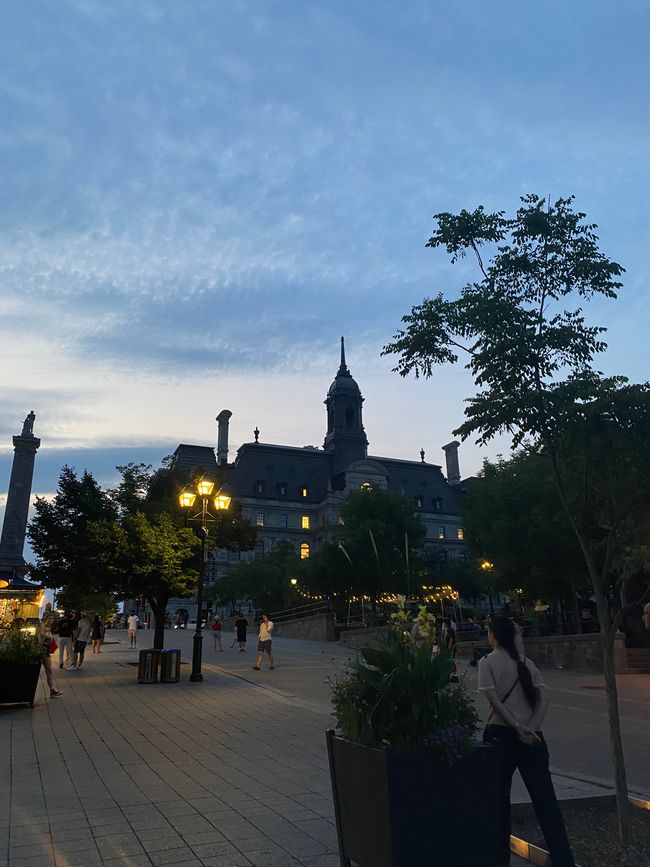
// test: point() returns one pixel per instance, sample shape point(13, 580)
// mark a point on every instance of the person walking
point(216, 633)
point(49, 646)
point(66, 644)
point(517, 697)
point(132, 627)
point(81, 640)
point(241, 627)
point(264, 643)
point(97, 633)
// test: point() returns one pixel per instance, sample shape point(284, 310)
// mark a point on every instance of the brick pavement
point(229, 772)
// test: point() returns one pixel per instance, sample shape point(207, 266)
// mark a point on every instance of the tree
point(368, 555)
point(530, 352)
point(60, 535)
point(265, 581)
point(514, 519)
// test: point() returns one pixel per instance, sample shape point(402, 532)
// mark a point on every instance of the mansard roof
point(419, 479)
point(277, 465)
point(188, 457)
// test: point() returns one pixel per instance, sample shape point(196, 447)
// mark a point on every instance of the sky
point(197, 199)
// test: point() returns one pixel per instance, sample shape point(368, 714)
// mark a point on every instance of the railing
point(300, 611)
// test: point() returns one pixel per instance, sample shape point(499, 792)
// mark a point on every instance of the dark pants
point(533, 766)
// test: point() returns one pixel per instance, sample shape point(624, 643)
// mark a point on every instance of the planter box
point(18, 682)
point(403, 809)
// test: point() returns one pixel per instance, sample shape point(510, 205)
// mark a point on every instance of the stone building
point(294, 493)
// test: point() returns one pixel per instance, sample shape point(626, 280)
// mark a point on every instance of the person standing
point(517, 697)
point(96, 634)
point(264, 643)
point(216, 633)
point(132, 627)
point(45, 637)
point(241, 627)
point(66, 645)
point(81, 640)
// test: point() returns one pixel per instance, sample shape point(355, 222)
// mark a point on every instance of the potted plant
point(411, 785)
point(21, 655)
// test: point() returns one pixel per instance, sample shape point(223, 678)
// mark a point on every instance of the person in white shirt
point(81, 640)
point(132, 626)
point(264, 643)
point(516, 693)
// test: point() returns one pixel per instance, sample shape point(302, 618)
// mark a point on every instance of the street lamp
point(221, 502)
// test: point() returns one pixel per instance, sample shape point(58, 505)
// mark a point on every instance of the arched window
point(304, 551)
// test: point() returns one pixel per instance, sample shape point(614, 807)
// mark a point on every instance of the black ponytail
point(503, 630)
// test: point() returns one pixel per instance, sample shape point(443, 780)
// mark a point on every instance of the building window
point(340, 520)
point(283, 522)
point(261, 518)
point(366, 486)
point(282, 489)
point(304, 551)
point(304, 491)
point(419, 502)
point(437, 504)
point(460, 534)
point(305, 522)
point(441, 533)
point(259, 487)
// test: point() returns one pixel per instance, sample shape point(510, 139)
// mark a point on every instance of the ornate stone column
point(20, 490)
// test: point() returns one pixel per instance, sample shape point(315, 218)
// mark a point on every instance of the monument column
point(20, 490)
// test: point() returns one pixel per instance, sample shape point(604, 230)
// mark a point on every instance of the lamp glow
point(205, 487)
point(186, 499)
point(222, 502)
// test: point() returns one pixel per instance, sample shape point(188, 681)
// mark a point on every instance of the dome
point(343, 384)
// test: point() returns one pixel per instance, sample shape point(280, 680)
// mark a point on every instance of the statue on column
point(28, 425)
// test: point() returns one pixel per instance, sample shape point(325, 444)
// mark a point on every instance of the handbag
point(53, 646)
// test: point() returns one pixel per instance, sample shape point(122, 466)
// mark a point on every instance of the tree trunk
point(159, 607)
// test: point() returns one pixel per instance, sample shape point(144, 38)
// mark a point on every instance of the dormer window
point(419, 502)
point(259, 487)
point(437, 504)
point(303, 491)
point(282, 489)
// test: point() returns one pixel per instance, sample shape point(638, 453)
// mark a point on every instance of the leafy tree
point(530, 352)
point(66, 550)
point(368, 553)
point(514, 520)
point(264, 581)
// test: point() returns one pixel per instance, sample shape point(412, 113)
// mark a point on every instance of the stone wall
point(368, 637)
point(318, 627)
point(580, 652)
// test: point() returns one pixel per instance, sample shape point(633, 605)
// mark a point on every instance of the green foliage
point(397, 695)
point(20, 647)
point(368, 554)
point(264, 581)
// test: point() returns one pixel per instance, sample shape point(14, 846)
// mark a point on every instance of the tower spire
point(343, 369)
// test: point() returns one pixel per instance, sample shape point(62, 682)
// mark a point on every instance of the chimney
point(453, 469)
point(222, 437)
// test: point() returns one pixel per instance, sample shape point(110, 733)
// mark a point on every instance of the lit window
point(340, 520)
point(304, 492)
point(260, 519)
point(366, 486)
point(460, 533)
point(441, 533)
point(419, 502)
point(305, 522)
point(304, 551)
point(283, 522)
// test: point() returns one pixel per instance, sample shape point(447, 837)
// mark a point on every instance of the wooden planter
point(18, 682)
point(403, 809)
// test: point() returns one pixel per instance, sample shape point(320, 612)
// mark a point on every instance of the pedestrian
point(264, 643)
point(517, 697)
point(241, 625)
point(216, 633)
point(132, 626)
point(49, 646)
point(66, 644)
point(96, 634)
point(81, 640)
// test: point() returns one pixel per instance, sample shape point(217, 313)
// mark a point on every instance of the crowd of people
point(70, 634)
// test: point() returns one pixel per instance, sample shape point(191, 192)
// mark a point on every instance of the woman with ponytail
point(516, 694)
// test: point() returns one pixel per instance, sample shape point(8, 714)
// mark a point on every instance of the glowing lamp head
point(204, 487)
point(294, 582)
point(186, 499)
point(222, 502)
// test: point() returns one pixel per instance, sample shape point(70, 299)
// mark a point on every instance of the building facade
point(294, 494)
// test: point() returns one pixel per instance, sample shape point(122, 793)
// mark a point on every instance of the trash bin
point(148, 665)
point(170, 665)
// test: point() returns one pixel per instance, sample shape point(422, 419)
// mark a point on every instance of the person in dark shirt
point(241, 625)
point(66, 628)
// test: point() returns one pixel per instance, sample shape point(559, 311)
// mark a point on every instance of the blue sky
point(198, 199)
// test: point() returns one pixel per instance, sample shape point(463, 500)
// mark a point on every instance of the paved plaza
point(232, 771)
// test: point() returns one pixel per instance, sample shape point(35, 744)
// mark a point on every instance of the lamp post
point(221, 502)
